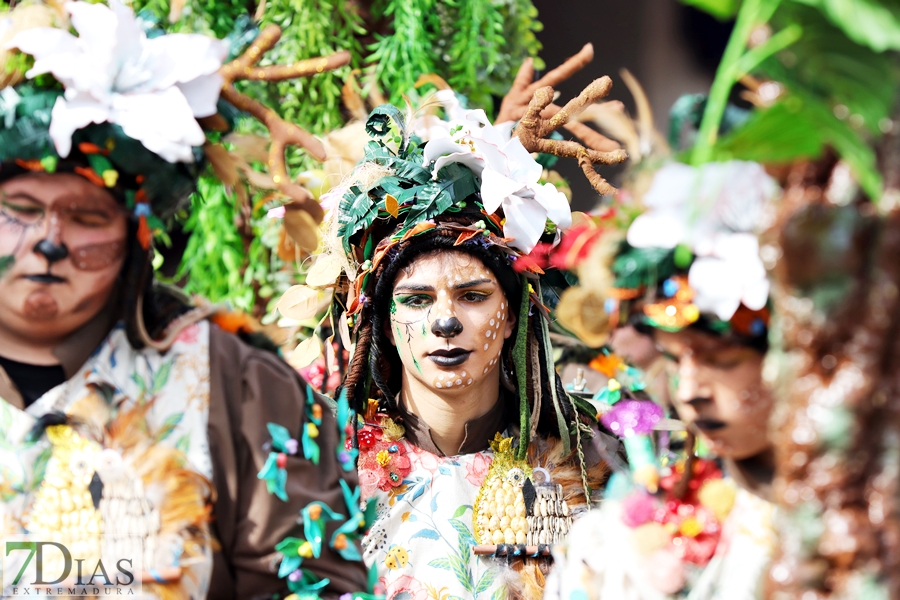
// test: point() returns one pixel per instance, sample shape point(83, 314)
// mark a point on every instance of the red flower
point(386, 461)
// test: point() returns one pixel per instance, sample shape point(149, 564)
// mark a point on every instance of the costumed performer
point(126, 412)
point(688, 274)
point(475, 454)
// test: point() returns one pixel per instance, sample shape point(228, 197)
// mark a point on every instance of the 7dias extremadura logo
point(33, 568)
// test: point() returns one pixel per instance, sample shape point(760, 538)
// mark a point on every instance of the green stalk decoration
point(736, 62)
point(520, 353)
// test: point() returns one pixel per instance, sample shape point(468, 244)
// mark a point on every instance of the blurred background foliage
point(822, 75)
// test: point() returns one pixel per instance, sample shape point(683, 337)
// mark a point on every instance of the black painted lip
point(708, 425)
point(45, 278)
point(452, 357)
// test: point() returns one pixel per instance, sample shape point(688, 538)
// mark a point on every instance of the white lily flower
point(689, 205)
point(509, 178)
point(154, 89)
point(730, 275)
point(715, 210)
point(431, 127)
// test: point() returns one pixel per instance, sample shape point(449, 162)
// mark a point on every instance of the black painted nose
point(51, 251)
point(446, 328)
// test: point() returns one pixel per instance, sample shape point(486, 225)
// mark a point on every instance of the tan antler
point(515, 103)
point(284, 134)
point(533, 129)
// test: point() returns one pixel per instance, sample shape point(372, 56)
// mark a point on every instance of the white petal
point(192, 56)
point(495, 188)
point(163, 122)
point(756, 294)
point(95, 23)
point(718, 288)
point(68, 116)
point(657, 229)
point(202, 94)
point(522, 166)
point(441, 147)
point(672, 186)
point(466, 158)
point(556, 204)
point(525, 222)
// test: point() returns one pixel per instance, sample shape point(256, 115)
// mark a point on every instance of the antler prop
point(533, 129)
point(516, 101)
point(283, 133)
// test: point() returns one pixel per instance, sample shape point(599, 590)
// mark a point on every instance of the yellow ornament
point(396, 558)
point(311, 430)
point(305, 550)
point(650, 537)
point(110, 178)
point(383, 457)
point(718, 496)
point(691, 527)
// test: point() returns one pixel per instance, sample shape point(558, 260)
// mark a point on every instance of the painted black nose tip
point(51, 251)
point(446, 328)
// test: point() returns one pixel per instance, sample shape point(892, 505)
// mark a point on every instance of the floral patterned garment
point(598, 561)
point(421, 541)
point(114, 379)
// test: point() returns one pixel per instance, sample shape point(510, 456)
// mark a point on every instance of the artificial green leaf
point(778, 134)
point(720, 9)
point(871, 23)
point(828, 65)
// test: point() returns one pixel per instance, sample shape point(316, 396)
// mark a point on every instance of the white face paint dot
point(495, 335)
point(463, 373)
point(487, 334)
point(485, 370)
point(469, 382)
point(441, 376)
point(502, 306)
point(493, 321)
point(439, 386)
point(486, 346)
point(449, 384)
point(458, 381)
point(498, 314)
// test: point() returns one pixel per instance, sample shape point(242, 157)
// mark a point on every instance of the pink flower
point(665, 571)
point(420, 459)
point(276, 213)
point(477, 470)
point(637, 509)
point(189, 334)
point(368, 483)
point(407, 584)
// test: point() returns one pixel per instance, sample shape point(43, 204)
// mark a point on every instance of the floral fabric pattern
point(422, 539)
point(177, 382)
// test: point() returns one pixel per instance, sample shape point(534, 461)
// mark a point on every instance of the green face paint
point(393, 307)
point(416, 363)
point(5, 263)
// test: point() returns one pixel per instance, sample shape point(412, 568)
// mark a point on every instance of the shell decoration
point(511, 508)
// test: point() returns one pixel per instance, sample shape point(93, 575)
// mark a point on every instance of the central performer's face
point(449, 318)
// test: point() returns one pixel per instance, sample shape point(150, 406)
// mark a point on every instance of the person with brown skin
point(117, 392)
